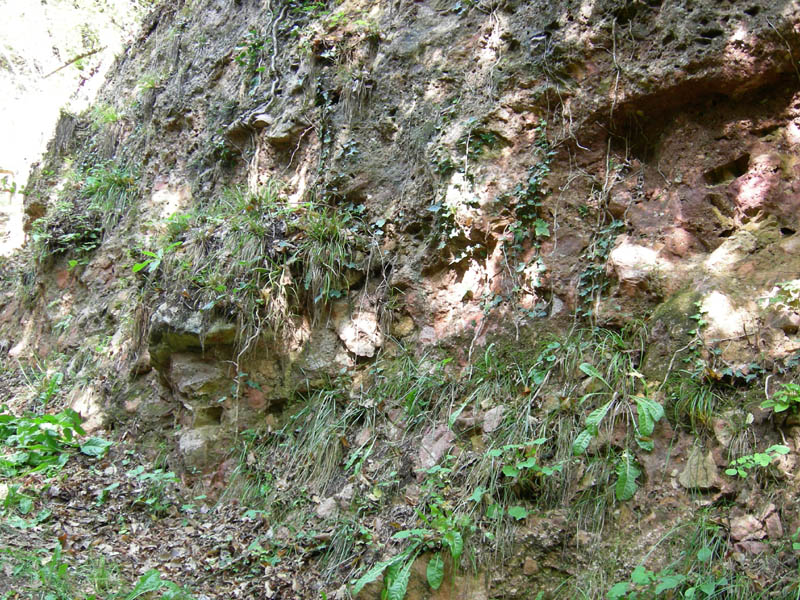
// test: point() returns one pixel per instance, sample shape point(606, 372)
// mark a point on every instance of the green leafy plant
point(151, 582)
point(154, 259)
point(42, 443)
point(786, 398)
point(744, 464)
point(250, 54)
point(105, 194)
point(648, 413)
point(157, 487)
point(442, 534)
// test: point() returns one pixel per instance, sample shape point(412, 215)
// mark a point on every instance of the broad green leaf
point(527, 463)
point(139, 266)
point(435, 571)
point(669, 582)
point(149, 582)
point(510, 471)
point(452, 539)
point(25, 505)
point(581, 442)
point(95, 446)
point(375, 572)
point(518, 512)
point(708, 587)
point(762, 459)
point(627, 472)
point(618, 591)
point(407, 533)
point(704, 554)
point(641, 576)
point(477, 495)
point(541, 229)
point(494, 511)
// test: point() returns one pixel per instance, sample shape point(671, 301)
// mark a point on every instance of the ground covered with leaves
point(98, 522)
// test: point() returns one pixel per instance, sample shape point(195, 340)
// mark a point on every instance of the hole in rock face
point(211, 415)
point(787, 231)
point(727, 172)
point(752, 11)
point(669, 38)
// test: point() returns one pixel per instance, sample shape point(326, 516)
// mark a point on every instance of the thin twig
point(74, 60)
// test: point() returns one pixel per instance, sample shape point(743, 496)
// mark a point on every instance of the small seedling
point(744, 464)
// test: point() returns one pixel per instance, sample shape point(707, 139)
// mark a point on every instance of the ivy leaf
point(541, 229)
point(627, 472)
point(435, 571)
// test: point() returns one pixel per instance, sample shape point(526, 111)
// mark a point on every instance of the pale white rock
point(434, 446)
point(327, 508)
point(493, 419)
point(359, 330)
point(700, 472)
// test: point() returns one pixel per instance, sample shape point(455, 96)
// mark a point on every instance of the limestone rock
point(193, 375)
point(751, 547)
point(175, 329)
point(633, 265)
point(530, 567)
point(346, 496)
point(493, 419)
point(359, 330)
point(700, 472)
point(403, 327)
point(323, 355)
point(327, 508)
point(434, 446)
point(201, 446)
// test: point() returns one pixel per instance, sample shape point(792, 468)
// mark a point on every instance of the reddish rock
point(747, 527)
point(774, 526)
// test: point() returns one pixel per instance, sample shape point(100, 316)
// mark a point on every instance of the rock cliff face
point(511, 278)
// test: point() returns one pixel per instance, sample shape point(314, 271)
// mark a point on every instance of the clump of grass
point(79, 222)
point(258, 258)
